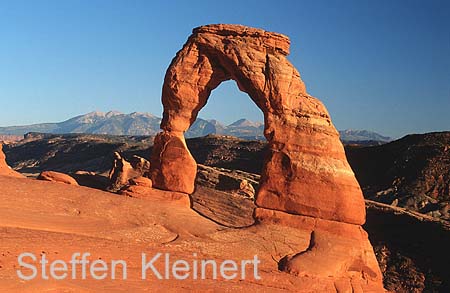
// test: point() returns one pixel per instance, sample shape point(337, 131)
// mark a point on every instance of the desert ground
point(58, 219)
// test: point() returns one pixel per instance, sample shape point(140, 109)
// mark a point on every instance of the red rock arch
point(306, 172)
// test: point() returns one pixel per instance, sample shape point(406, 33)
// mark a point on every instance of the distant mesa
point(142, 123)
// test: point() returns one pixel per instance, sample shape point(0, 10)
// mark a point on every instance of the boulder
point(57, 177)
point(121, 172)
point(246, 188)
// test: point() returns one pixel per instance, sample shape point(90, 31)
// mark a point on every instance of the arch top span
point(269, 40)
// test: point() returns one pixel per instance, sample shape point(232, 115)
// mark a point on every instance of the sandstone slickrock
point(66, 218)
point(306, 173)
point(57, 177)
point(218, 196)
point(336, 249)
point(138, 187)
point(233, 181)
point(141, 181)
point(5, 170)
point(223, 207)
point(144, 192)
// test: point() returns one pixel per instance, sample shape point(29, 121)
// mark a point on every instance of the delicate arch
point(306, 171)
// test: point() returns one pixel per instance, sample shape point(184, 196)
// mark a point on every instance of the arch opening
point(228, 111)
point(229, 157)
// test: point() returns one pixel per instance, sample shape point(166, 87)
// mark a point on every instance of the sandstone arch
point(306, 181)
point(306, 171)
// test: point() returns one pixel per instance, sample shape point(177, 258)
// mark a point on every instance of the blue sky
point(377, 65)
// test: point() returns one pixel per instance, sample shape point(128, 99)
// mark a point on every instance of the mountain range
point(117, 123)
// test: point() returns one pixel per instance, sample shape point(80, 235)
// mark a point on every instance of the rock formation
point(247, 188)
point(5, 170)
point(122, 171)
point(140, 165)
point(306, 171)
point(306, 180)
point(128, 178)
point(141, 181)
point(57, 177)
point(119, 172)
point(232, 181)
